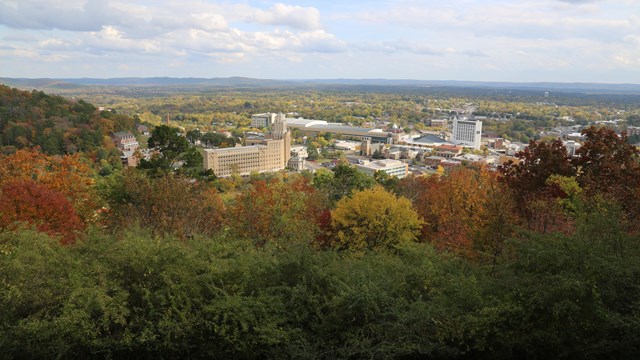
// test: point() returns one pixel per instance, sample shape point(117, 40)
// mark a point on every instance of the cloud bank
point(529, 40)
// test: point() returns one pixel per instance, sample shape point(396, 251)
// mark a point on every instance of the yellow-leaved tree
point(374, 219)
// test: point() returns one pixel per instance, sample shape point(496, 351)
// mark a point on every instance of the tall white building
point(467, 132)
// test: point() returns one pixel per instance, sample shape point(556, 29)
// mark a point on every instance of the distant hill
point(71, 83)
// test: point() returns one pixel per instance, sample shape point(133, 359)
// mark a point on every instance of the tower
point(280, 132)
point(279, 127)
point(365, 147)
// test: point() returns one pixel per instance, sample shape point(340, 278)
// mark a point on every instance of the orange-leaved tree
point(277, 212)
point(461, 209)
point(67, 174)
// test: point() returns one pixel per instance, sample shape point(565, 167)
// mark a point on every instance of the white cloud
point(289, 15)
point(401, 37)
point(30, 14)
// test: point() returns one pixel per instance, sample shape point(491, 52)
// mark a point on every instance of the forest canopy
point(539, 259)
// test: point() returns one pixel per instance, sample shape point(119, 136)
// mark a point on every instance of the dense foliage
point(538, 260)
point(58, 126)
point(137, 297)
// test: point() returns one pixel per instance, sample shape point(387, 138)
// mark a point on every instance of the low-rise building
point(433, 160)
point(393, 153)
point(389, 166)
point(448, 151)
point(438, 122)
point(129, 158)
point(296, 163)
point(633, 130)
point(313, 127)
point(125, 141)
point(299, 151)
point(346, 145)
point(572, 147)
point(142, 129)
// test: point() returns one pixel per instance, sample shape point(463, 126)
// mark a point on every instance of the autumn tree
point(68, 175)
point(607, 163)
point(454, 208)
point(537, 201)
point(277, 212)
point(167, 205)
point(373, 219)
point(536, 164)
point(466, 211)
point(25, 201)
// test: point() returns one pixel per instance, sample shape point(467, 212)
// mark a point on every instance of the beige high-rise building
point(271, 154)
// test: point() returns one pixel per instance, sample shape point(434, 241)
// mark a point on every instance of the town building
point(129, 158)
point(438, 122)
point(143, 129)
point(125, 141)
point(426, 141)
point(433, 160)
point(367, 148)
point(467, 132)
point(391, 167)
point(263, 120)
point(268, 155)
point(313, 127)
point(572, 147)
point(296, 163)
point(299, 151)
point(346, 145)
point(633, 130)
point(448, 151)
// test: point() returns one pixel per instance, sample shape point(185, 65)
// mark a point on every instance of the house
point(143, 129)
point(125, 141)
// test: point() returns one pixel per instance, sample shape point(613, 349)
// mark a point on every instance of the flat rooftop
point(323, 126)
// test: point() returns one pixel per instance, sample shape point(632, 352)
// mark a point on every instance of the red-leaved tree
point(26, 202)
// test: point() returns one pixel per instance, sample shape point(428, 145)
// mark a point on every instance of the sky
point(475, 40)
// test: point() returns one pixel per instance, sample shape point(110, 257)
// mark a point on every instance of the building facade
point(467, 132)
point(299, 151)
point(448, 151)
point(270, 154)
point(263, 120)
point(125, 141)
point(391, 167)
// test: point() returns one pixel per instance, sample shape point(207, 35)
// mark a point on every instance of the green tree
point(341, 181)
point(194, 135)
point(312, 151)
point(169, 148)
